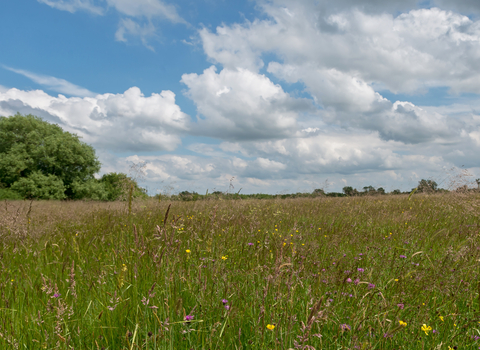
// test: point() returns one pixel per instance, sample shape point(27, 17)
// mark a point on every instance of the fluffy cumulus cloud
point(418, 49)
point(346, 54)
point(117, 122)
point(241, 104)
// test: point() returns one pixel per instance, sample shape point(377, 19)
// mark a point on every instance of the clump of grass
point(344, 273)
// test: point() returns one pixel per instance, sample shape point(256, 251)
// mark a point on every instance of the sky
point(257, 96)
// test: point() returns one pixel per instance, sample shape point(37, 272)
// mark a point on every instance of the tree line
point(39, 160)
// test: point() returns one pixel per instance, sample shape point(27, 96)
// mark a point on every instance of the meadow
point(371, 272)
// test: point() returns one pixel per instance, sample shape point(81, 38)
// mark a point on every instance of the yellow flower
point(396, 279)
point(188, 251)
point(404, 324)
point(271, 327)
point(441, 317)
point(426, 328)
point(224, 257)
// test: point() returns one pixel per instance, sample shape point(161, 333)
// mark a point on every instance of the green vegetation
point(370, 272)
point(39, 160)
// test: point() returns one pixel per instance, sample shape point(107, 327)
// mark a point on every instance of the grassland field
point(379, 272)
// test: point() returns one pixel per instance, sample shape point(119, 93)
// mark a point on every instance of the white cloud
point(117, 122)
point(73, 6)
point(54, 84)
point(418, 49)
point(138, 17)
point(240, 104)
point(146, 8)
point(130, 28)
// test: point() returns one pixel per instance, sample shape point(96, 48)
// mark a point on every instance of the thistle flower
point(188, 318)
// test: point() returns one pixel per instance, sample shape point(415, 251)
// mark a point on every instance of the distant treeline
point(424, 186)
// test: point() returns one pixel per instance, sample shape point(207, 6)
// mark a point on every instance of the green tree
point(350, 191)
point(427, 186)
point(36, 154)
point(117, 186)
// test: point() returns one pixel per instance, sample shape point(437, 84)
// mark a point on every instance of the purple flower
point(401, 306)
point(357, 281)
point(434, 331)
point(360, 254)
point(227, 307)
point(345, 327)
point(360, 270)
point(403, 257)
point(371, 286)
point(250, 243)
point(188, 318)
point(349, 280)
point(224, 301)
point(56, 295)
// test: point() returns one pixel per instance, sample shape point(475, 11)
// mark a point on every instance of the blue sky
point(274, 96)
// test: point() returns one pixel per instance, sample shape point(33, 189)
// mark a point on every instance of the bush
point(40, 186)
point(7, 193)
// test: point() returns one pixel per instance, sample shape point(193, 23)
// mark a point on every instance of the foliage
point(379, 272)
point(7, 193)
point(90, 189)
point(32, 149)
point(117, 187)
point(427, 186)
point(40, 186)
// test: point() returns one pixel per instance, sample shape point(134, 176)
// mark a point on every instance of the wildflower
point(349, 280)
point(345, 327)
point(403, 257)
point(401, 306)
point(360, 270)
point(188, 318)
point(396, 279)
point(56, 295)
point(271, 327)
point(357, 281)
point(224, 301)
point(224, 257)
point(441, 318)
point(227, 307)
point(371, 286)
point(403, 324)
point(188, 251)
point(426, 329)
point(250, 243)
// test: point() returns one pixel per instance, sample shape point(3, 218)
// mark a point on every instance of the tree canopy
point(40, 160)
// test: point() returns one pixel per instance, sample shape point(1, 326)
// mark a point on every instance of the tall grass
point(325, 273)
